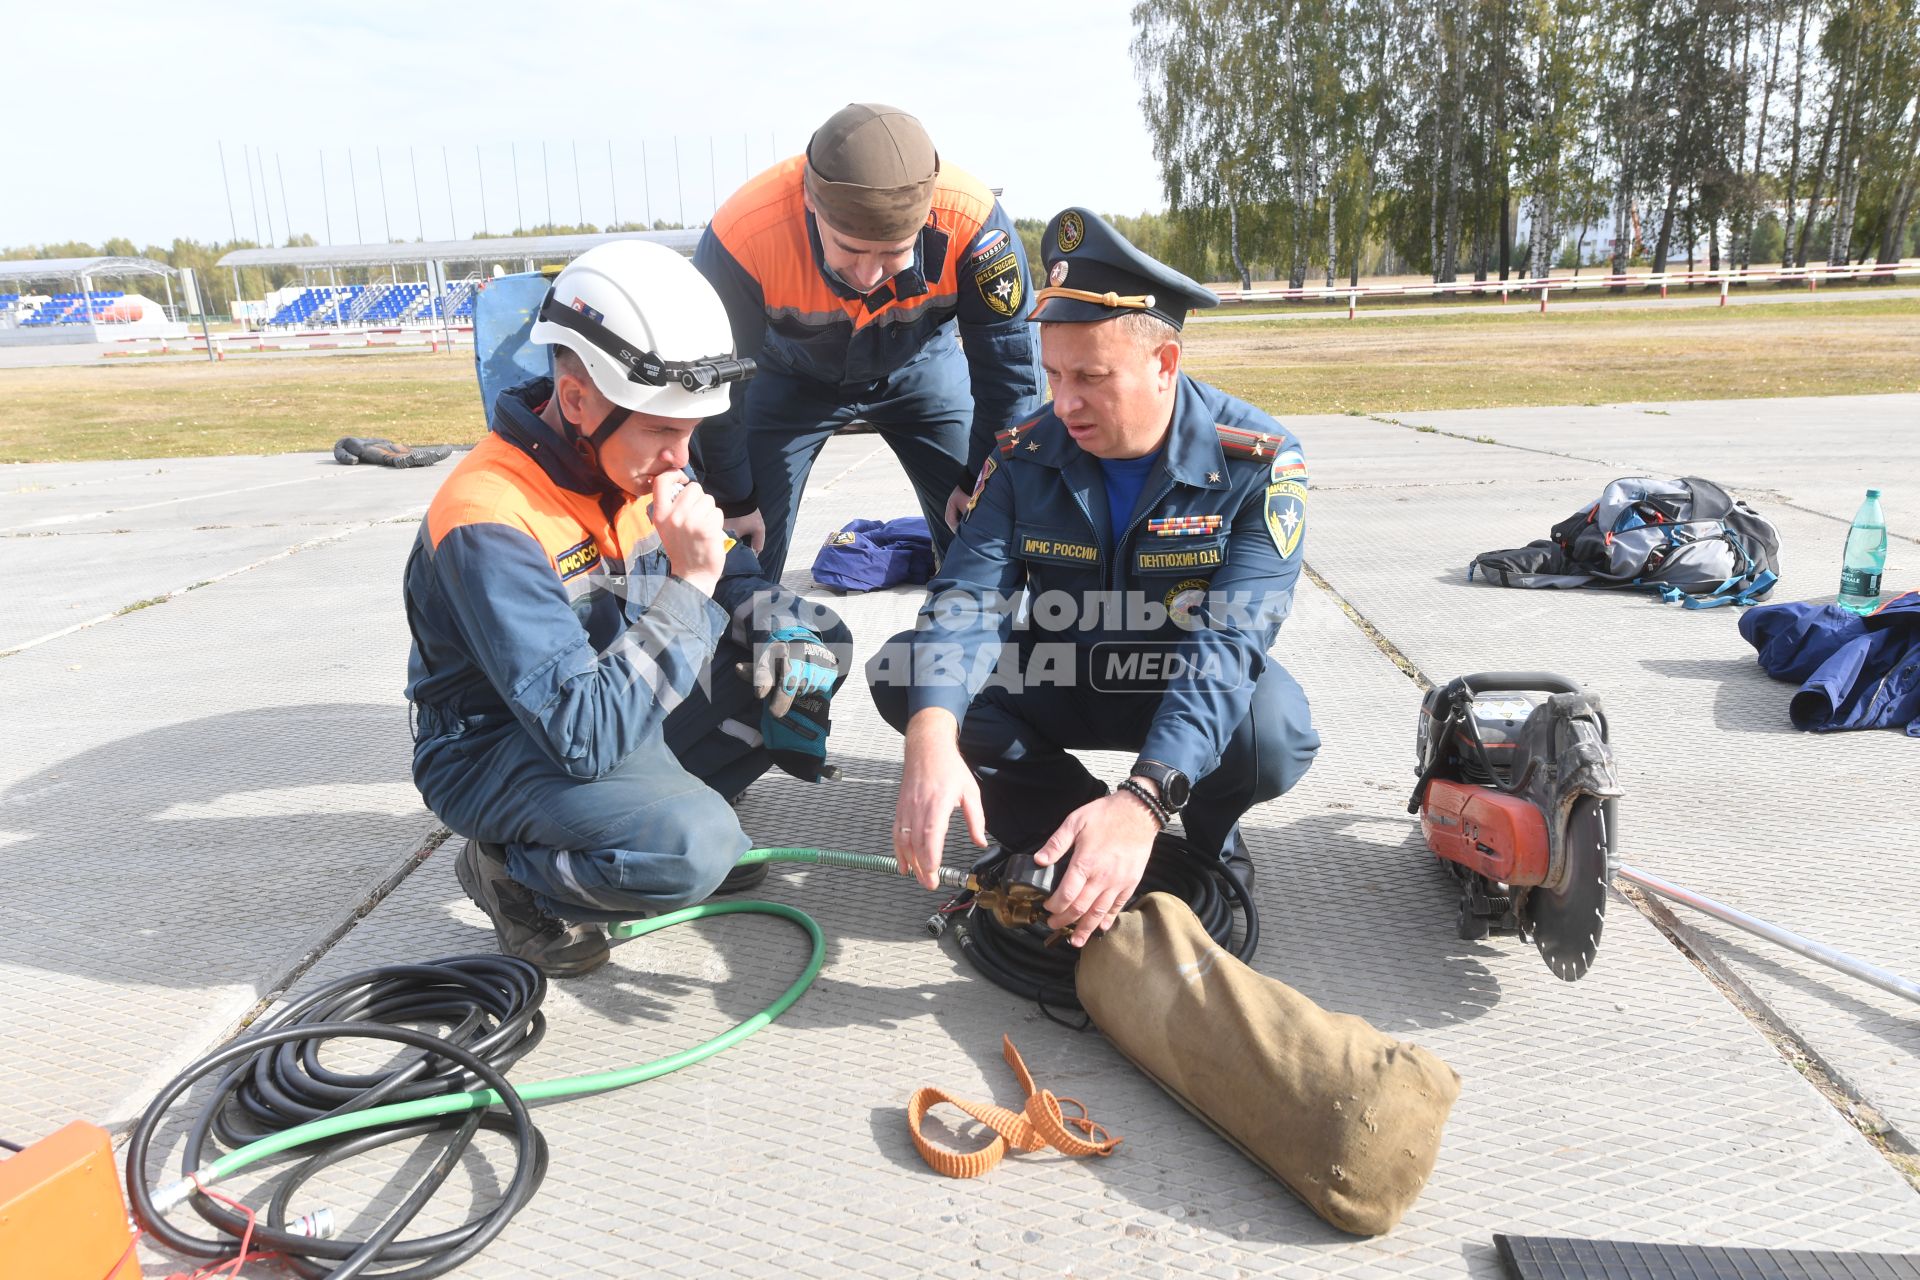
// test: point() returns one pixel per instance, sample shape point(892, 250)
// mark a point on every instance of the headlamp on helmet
point(646, 367)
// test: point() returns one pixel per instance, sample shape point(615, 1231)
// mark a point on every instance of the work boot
point(742, 878)
point(1238, 859)
point(526, 930)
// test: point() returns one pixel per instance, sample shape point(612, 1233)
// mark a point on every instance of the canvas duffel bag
point(1347, 1117)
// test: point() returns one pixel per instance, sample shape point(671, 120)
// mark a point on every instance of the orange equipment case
point(61, 1213)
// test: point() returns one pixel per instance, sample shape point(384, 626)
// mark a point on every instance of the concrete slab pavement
point(1726, 797)
point(83, 540)
point(196, 797)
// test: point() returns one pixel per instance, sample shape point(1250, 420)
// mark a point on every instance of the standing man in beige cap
point(873, 283)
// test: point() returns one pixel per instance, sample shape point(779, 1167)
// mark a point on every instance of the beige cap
point(870, 172)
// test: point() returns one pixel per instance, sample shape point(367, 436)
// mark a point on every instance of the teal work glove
point(793, 664)
point(797, 741)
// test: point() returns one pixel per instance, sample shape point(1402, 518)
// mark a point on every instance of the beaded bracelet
point(1161, 816)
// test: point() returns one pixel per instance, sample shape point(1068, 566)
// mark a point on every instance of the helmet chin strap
point(588, 444)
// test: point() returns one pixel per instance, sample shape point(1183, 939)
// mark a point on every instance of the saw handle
point(1516, 681)
point(1464, 689)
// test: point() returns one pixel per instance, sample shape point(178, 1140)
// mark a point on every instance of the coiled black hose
point(1019, 959)
point(491, 1006)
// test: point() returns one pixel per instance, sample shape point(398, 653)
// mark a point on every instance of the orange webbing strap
point(1041, 1124)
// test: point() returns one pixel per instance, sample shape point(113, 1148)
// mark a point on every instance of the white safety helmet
point(650, 330)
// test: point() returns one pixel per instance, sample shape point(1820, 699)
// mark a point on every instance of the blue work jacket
point(1184, 600)
point(969, 274)
point(1854, 672)
point(538, 593)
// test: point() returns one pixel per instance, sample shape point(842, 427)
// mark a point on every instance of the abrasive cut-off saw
point(1517, 798)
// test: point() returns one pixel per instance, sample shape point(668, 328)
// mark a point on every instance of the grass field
point(152, 409)
point(264, 404)
point(1471, 301)
point(1574, 357)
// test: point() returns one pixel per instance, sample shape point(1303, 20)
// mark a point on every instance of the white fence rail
point(1546, 286)
point(432, 337)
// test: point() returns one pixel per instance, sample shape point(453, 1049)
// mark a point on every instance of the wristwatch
point(1174, 787)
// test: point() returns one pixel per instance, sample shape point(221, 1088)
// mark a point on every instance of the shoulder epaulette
point(1008, 439)
point(1239, 442)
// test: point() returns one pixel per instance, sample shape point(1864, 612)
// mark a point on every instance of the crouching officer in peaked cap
point(1123, 566)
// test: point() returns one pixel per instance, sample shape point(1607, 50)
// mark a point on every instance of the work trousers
point(924, 411)
point(654, 834)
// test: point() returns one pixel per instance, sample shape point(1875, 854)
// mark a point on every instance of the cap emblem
point(1072, 231)
point(1057, 274)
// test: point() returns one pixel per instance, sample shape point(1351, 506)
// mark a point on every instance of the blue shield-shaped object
point(503, 316)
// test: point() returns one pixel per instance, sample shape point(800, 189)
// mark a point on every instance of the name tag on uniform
point(1179, 554)
point(1054, 545)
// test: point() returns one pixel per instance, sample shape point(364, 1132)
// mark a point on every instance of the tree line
point(1423, 135)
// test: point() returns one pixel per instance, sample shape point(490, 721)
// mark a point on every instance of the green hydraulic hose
point(571, 1086)
point(823, 858)
point(950, 877)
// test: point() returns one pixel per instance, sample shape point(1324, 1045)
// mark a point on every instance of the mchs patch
point(999, 283)
point(575, 561)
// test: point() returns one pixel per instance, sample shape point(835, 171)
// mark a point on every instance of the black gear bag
point(1689, 540)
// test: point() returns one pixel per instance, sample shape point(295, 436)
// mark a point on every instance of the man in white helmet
point(596, 668)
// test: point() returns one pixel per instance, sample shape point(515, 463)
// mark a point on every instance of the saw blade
point(1566, 924)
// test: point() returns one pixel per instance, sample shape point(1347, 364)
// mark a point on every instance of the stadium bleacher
point(301, 310)
point(391, 303)
point(394, 303)
point(69, 308)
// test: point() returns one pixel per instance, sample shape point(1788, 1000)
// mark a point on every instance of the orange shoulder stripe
point(763, 225)
point(498, 484)
point(968, 200)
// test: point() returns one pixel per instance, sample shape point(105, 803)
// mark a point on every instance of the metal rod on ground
point(1868, 973)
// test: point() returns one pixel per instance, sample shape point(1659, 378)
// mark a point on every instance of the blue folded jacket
point(866, 555)
point(1854, 672)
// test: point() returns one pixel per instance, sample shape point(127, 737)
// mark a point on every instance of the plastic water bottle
point(1866, 557)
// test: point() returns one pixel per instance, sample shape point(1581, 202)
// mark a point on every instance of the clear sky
point(112, 112)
